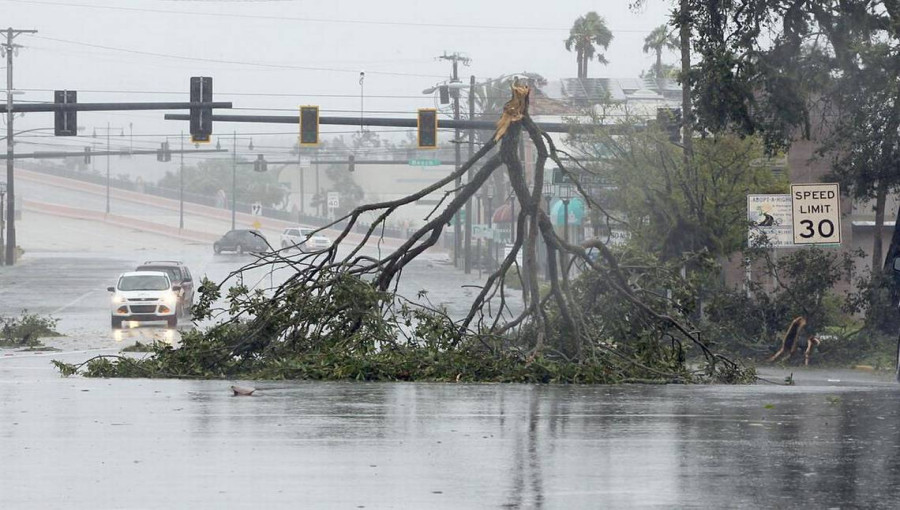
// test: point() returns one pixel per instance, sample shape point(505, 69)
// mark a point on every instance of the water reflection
point(134, 332)
point(416, 445)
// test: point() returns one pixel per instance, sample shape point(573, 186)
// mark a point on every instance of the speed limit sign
point(816, 213)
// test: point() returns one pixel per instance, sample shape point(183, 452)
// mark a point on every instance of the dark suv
point(241, 241)
point(180, 275)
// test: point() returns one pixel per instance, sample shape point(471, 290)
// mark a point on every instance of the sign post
point(816, 213)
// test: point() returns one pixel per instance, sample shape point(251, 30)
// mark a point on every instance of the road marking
point(70, 303)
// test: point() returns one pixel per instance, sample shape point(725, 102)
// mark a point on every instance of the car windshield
point(143, 282)
point(173, 272)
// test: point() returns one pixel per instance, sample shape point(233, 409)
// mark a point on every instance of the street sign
point(480, 231)
point(256, 209)
point(769, 216)
point(584, 178)
point(333, 199)
point(816, 213)
point(424, 162)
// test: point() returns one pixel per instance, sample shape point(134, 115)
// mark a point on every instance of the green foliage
point(753, 326)
point(588, 33)
point(211, 175)
point(352, 331)
point(25, 330)
point(668, 209)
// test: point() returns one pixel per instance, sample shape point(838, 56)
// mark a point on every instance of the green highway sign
point(424, 162)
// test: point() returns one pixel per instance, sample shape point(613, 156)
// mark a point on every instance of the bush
point(26, 331)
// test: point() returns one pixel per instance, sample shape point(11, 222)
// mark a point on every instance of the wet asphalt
point(832, 440)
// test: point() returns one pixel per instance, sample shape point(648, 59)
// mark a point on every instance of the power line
point(252, 94)
point(236, 62)
point(411, 24)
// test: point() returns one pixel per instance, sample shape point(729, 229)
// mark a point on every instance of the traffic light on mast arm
point(427, 128)
point(65, 121)
point(260, 164)
point(201, 118)
point(309, 125)
point(163, 153)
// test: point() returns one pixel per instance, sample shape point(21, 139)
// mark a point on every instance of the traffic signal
point(163, 154)
point(260, 164)
point(201, 117)
point(351, 159)
point(87, 155)
point(65, 121)
point(309, 125)
point(427, 128)
point(669, 120)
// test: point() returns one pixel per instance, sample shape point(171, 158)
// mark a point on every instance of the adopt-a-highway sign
point(816, 213)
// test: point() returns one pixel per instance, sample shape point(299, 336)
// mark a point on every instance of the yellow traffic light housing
point(427, 128)
point(309, 125)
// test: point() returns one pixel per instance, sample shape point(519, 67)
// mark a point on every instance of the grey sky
point(395, 42)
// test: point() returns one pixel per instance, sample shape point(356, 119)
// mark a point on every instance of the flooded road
point(830, 441)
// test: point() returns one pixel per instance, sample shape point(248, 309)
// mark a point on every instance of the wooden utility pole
point(10, 49)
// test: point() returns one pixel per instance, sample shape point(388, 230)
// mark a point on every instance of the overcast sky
point(279, 54)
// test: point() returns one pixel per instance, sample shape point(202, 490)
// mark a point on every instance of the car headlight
point(170, 297)
point(118, 299)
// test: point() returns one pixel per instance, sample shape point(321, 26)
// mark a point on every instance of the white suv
point(144, 296)
point(303, 239)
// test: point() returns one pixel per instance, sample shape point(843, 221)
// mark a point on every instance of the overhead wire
point(306, 19)
point(235, 62)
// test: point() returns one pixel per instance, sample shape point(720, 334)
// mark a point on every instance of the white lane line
point(70, 303)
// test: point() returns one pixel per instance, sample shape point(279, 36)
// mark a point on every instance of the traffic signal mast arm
point(488, 125)
point(70, 154)
point(99, 107)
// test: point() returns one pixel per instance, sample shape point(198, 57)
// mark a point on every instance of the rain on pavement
point(827, 442)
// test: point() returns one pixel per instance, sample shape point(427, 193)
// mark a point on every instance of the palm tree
point(587, 31)
point(660, 38)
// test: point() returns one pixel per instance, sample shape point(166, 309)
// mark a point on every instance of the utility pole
point(468, 246)
point(302, 191)
point(457, 230)
point(181, 187)
point(9, 48)
point(107, 168)
point(233, 178)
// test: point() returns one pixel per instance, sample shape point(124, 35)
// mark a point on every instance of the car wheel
point(172, 321)
point(116, 323)
point(217, 248)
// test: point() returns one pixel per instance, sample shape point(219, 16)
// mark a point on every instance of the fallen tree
point(340, 316)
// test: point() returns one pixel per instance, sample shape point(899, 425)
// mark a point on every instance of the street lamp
point(8, 257)
point(565, 193)
point(548, 193)
point(121, 133)
point(234, 174)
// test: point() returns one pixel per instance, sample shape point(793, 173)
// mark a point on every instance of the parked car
point(180, 275)
point(303, 239)
point(143, 296)
point(242, 241)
